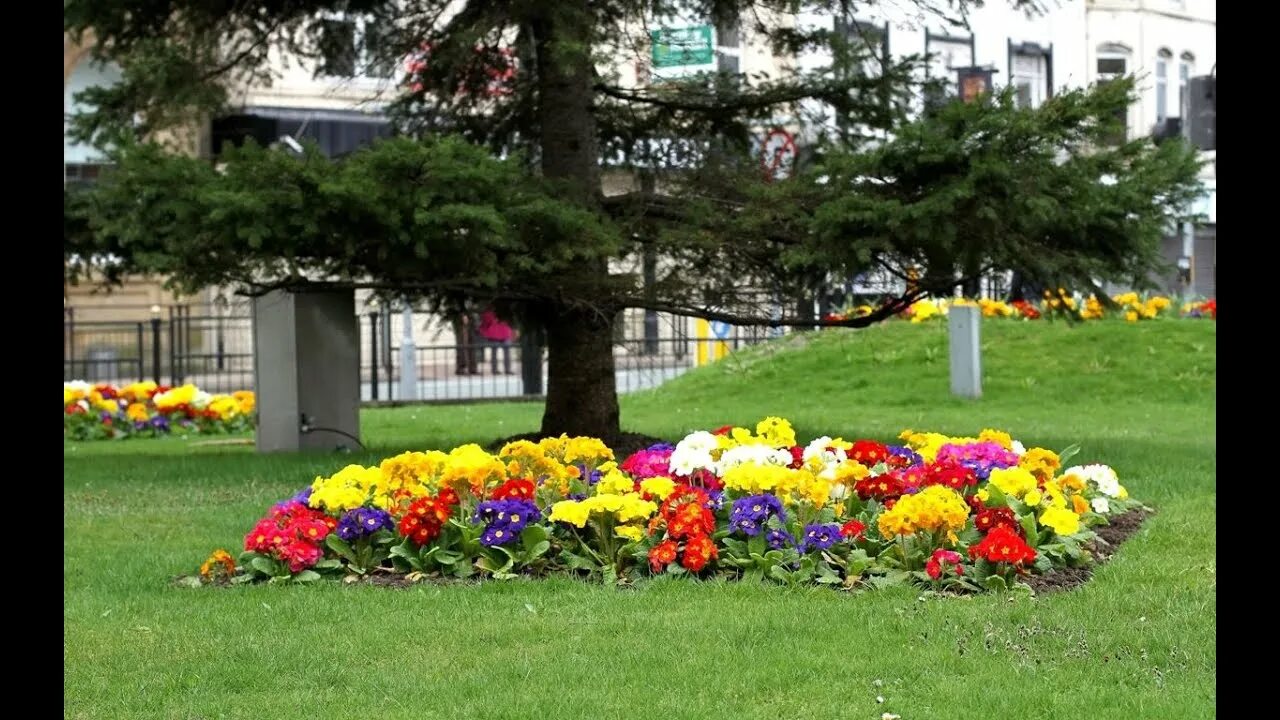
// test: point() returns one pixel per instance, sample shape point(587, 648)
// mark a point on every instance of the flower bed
point(950, 513)
point(145, 409)
point(1131, 308)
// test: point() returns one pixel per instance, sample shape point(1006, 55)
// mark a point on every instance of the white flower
point(753, 454)
point(839, 491)
point(1101, 506)
point(79, 385)
point(201, 400)
point(693, 453)
point(1018, 448)
point(1101, 476)
point(828, 459)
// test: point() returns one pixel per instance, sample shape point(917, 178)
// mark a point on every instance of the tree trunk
point(582, 397)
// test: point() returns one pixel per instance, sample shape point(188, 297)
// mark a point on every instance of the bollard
point(408, 357)
point(963, 323)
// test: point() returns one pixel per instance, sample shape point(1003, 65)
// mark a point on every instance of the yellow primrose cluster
point(790, 485)
point(927, 444)
point(625, 508)
point(469, 467)
point(1014, 482)
point(933, 509)
point(415, 474)
point(349, 488)
point(1041, 463)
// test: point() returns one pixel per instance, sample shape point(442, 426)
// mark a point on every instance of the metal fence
point(214, 349)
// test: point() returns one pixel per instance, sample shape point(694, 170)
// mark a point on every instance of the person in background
point(497, 334)
point(465, 340)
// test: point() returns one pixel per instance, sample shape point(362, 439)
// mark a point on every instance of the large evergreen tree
point(510, 113)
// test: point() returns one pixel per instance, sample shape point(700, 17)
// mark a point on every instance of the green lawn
point(1138, 641)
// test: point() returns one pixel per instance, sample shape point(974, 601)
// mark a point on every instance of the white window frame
point(1038, 80)
point(362, 59)
point(1163, 56)
point(1114, 51)
point(1186, 68)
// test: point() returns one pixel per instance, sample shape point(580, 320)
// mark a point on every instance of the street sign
point(682, 47)
point(778, 154)
point(721, 329)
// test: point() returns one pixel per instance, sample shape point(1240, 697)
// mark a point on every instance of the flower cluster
point(1129, 306)
point(957, 513)
point(145, 409)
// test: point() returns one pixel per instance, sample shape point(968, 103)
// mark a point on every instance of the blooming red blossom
point(698, 551)
point(949, 474)
point(1003, 545)
point(685, 512)
point(852, 529)
point(988, 519)
point(662, 555)
point(869, 452)
point(880, 487)
point(939, 560)
point(511, 490)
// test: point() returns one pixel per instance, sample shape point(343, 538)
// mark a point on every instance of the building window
point(81, 173)
point(1162, 84)
point(1185, 67)
point(1112, 64)
point(866, 46)
point(355, 47)
point(1030, 79)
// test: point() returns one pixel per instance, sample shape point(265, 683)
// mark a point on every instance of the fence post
point(71, 342)
point(155, 342)
point(963, 323)
point(408, 356)
point(142, 370)
point(531, 359)
point(373, 354)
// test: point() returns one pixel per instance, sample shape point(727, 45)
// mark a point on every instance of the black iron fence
point(214, 350)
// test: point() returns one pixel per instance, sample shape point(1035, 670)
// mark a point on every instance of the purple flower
point(911, 456)
point(160, 423)
point(662, 448)
point(819, 537)
point(593, 477)
point(505, 519)
point(363, 522)
point(303, 496)
point(757, 507)
point(778, 539)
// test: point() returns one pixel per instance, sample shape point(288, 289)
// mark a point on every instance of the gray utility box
point(306, 368)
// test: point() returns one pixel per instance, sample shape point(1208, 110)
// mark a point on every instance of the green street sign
point(676, 47)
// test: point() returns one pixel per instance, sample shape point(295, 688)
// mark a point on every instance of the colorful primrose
point(145, 409)
point(962, 514)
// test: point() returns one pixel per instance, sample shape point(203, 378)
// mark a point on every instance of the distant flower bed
point(964, 514)
point(1130, 307)
point(145, 409)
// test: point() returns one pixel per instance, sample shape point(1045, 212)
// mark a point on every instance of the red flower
point(698, 551)
point(797, 458)
point(685, 512)
point(853, 529)
point(300, 555)
point(662, 555)
point(74, 408)
point(1026, 309)
point(722, 430)
point(975, 503)
point(512, 490)
point(940, 558)
point(952, 475)
point(311, 530)
point(880, 487)
point(869, 452)
point(259, 538)
point(1003, 545)
point(106, 391)
point(448, 496)
point(989, 519)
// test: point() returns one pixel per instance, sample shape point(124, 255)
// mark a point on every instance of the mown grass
point(1136, 641)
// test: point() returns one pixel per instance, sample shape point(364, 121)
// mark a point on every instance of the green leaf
point(341, 547)
point(539, 550)
point(306, 576)
point(1032, 530)
point(266, 566)
point(1070, 452)
point(995, 583)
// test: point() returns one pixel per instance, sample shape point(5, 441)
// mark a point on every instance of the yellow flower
point(1054, 493)
point(469, 467)
point(1079, 504)
point(615, 482)
point(247, 400)
point(1131, 316)
point(570, 511)
point(983, 495)
point(936, 508)
point(346, 489)
point(999, 437)
point(777, 432)
point(659, 487)
point(850, 472)
point(137, 412)
point(1123, 493)
point(630, 532)
point(1032, 498)
point(1014, 481)
point(1040, 462)
point(1063, 521)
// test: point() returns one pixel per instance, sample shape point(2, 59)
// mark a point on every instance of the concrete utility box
point(963, 323)
point(306, 364)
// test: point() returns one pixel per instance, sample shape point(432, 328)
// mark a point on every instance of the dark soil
point(622, 445)
point(1111, 536)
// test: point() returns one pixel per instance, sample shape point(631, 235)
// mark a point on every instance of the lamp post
point(155, 343)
